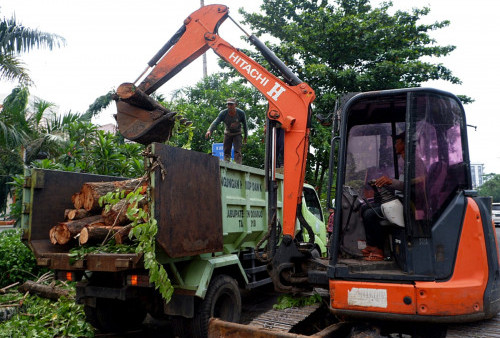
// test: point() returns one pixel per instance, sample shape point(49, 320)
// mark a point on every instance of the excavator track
point(283, 320)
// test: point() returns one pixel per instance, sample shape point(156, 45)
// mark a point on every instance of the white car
point(496, 213)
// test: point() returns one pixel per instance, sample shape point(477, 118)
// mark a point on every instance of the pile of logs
point(90, 223)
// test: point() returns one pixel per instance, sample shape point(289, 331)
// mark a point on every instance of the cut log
point(92, 191)
point(64, 231)
point(52, 235)
point(117, 215)
point(96, 233)
point(74, 214)
point(42, 290)
point(129, 93)
point(121, 236)
point(77, 200)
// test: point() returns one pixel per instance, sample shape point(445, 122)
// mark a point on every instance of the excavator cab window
point(431, 169)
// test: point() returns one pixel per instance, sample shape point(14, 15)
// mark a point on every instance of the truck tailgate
point(56, 258)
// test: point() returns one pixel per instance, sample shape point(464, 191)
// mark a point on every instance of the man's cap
point(231, 100)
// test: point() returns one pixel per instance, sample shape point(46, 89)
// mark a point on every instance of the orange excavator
point(436, 257)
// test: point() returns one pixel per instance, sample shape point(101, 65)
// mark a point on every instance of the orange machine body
point(459, 297)
point(288, 104)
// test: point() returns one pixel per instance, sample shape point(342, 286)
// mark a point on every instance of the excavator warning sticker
point(367, 297)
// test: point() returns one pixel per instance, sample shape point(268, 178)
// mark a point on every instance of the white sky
point(111, 41)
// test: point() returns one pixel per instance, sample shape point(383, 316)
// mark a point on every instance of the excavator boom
point(289, 103)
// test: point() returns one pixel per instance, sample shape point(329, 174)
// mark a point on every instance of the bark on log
point(42, 290)
point(121, 236)
point(117, 215)
point(74, 214)
point(64, 231)
point(92, 191)
point(97, 233)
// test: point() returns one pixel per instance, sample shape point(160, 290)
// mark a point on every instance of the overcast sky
point(110, 42)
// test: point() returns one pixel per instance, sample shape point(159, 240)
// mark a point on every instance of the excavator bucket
point(141, 125)
point(140, 118)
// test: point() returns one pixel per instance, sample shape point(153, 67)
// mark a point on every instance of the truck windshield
point(312, 203)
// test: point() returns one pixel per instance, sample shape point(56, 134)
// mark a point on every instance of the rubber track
point(283, 320)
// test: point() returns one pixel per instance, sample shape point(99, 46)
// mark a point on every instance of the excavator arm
point(289, 103)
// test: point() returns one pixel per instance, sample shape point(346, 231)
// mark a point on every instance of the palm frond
point(16, 38)
point(10, 137)
point(40, 109)
point(11, 68)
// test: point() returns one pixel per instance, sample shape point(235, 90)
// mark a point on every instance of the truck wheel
point(223, 300)
point(112, 315)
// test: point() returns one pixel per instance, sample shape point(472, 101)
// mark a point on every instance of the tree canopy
point(346, 46)
point(491, 187)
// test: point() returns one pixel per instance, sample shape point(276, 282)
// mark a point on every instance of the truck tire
point(112, 315)
point(223, 300)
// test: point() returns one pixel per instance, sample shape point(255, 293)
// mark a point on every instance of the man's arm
point(215, 123)
point(392, 182)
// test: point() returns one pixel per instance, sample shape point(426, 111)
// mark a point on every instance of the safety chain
point(147, 153)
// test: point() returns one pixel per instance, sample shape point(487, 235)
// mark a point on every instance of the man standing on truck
point(233, 118)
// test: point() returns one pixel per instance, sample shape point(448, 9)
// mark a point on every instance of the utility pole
point(202, 3)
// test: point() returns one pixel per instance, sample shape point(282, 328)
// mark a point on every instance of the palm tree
point(16, 39)
point(28, 131)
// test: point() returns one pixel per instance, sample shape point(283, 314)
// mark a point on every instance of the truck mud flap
point(220, 328)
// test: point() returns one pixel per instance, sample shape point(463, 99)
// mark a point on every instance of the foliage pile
point(17, 262)
point(40, 317)
point(35, 316)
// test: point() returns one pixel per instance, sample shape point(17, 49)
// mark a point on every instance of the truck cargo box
point(202, 205)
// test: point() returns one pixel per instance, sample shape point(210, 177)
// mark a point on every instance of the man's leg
point(228, 143)
point(237, 142)
point(373, 229)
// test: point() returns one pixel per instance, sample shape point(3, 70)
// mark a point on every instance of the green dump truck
point(211, 216)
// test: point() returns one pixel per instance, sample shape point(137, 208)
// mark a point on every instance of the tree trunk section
point(64, 231)
point(96, 233)
point(129, 93)
point(74, 214)
point(92, 191)
point(77, 200)
point(45, 291)
point(52, 235)
point(121, 236)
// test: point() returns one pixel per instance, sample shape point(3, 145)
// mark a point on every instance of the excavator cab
point(439, 252)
